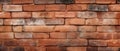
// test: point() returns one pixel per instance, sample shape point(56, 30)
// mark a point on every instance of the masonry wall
point(59, 25)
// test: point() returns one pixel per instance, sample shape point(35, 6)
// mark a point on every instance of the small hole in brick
point(19, 49)
point(67, 1)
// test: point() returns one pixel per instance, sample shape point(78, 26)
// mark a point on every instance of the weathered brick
point(106, 49)
point(76, 48)
point(5, 28)
point(92, 49)
point(19, 49)
point(118, 1)
point(2, 48)
point(17, 29)
point(72, 35)
point(63, 42)
point(38, 28)
point(87, 28)
point(54, 21)
point(21, 14)
point(7, 35)
point(38, 14)
point(106, 28)
point(14, 22)
point(55, 7)
point(77, 7)
point(23, 35)
point(1, 21)
point(34, 7)
point(44, 1)
point(1, 7)
point(5, 15)
point(58, 35)
point(65, 14)
point(22, 1)
point(55, 49)
point(97, 43)
point(85, 1)
point(11, 43)
point(115, 7)
point(34, 22)
point(12, 7)
point(41, 35)
point(102, 21)
point(105, 1)
point(75, 21)
point(92, 7)
point(87, 14)
point(65, 1)
point(5, 1)
point(41, 49)
point(65, 28)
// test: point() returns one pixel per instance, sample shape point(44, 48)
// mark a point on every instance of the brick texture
point(59, 25)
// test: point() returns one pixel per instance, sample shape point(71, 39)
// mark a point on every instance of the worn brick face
point(12, 7)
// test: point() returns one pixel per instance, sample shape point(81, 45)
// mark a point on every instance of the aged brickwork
point(59, 25)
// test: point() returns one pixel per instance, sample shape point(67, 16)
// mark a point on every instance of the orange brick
point(115, 7)
point(105, 1)
point(22, 1)
point(113, 43)
point(65, 14)
point(21, 14)
point(17, 29)
point(87, 28)
point(5, 28)
point(0, 7)
point(38, 28)
point(5, 15)
point(76, 49)
point(72, 35)
point(8, 35)
point(55, 7)
point(57, 35)
point(65, 28)
point(106, 28)
point(77, 7)
point(85, 1)
point(75, 21)
point(97, 43)
point(41, 35)
point(34, 7)
point(12, 7)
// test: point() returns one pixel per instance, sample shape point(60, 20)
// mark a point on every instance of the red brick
point(8, 35)
point(87, 28)
point(22, 1)
point(17, 29)
point(97, 43)
point(21, 14)
point(63, 42)
point(105, 1)
point(75, 21)
point(56, 48)
point(86, 14)
point(85, 1)
point(38, 28)
point(41, 35)
point(72, 35)
point(65, 28)
point(54, 21)
point(65, 14)
point(1, 21)
point(12, 7)
point(5, 28)
point(5, 15)
point(115, 7)
point(0, 7)
point(77, 7)
point(11, 43)
point(57, 35)
point(76, 49)
point(33, 7)
point(23, 35)
point(106, 29)
point(14, 22)
point(55, 7)
point(113, 43)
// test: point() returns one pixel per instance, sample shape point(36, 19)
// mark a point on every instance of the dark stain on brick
point(18, 49)
point(118, 1)
point(93, 7)
point(5, 1)
point(118, 49)
point(92, 49)
point(10, 43)
point(67, 1)
point(3, 48)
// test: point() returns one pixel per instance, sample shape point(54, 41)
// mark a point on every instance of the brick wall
point(59, 25)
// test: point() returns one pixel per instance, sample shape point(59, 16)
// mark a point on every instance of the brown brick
point(54, 21)
point(86, 14)
point(8, 35)
point(56, 49)
point(38, 28)
point(12, 7)
point(17, 29)
point(41, 35)
point(58, 35)
point(23, 35)
point(65, 14)
point(85, 1)
point(34, 7)
point(14, 22)
point(76, 48)
point(44, 1)
point(97, 43)
point(72, 35)
point(21, 14)
point(55, 7)
point(22, 1)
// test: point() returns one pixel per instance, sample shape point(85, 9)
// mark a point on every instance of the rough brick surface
point(59, 25)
